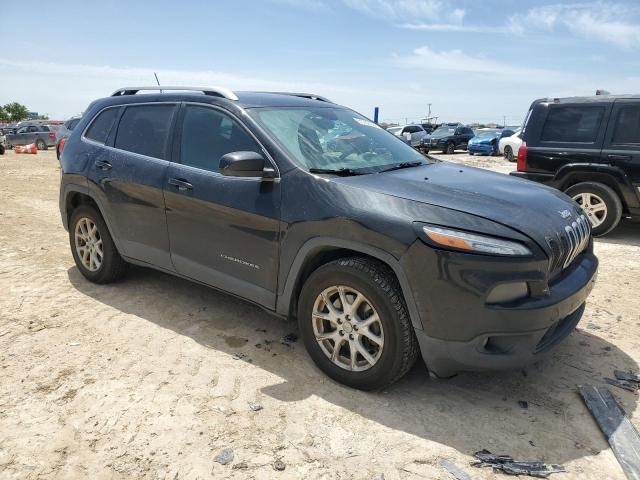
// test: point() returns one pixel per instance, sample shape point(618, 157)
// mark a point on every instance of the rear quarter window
point(99, 129)
point(627, 126)
point(145, 129)
point(573, 124)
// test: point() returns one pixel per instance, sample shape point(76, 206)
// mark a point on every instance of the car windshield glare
point(487, 133)
point(444, 131)
point(331, 138)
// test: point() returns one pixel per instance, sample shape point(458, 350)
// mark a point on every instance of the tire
point(508, 154)
point(381, 293)
point(1, 149)
point(450, 148)
point(40, 144)
point(604, 208)
point(112, 266)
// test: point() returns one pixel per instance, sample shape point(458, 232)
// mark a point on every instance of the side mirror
point(245, 164)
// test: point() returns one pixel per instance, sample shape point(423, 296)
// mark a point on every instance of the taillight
point(52, 135)
point(522, 157)
point(61, 145)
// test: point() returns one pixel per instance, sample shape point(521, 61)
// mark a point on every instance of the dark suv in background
point(311, 210)
point(448, 138)
point(588, 147)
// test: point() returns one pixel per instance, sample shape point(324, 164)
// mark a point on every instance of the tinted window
point(101, 125)
point(627, 126)
point(572, 124)
point(208, 134)
point(71, 124)
point(144, 129)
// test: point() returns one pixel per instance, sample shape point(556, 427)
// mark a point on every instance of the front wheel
point(93, 248)
point(450, 148)
point(600, 203)
point(40, 145)
point(355, 324)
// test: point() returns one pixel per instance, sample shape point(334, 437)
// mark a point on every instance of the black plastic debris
point(523, 404)
point(508, 465)
point(288, 339)
point(631, 387)
point(627, 376)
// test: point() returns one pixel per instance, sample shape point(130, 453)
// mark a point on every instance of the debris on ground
point(616, 426)
point(455, 470)
point(523, 404)
point(255, 407)
point(279, 465)
point(508, 465)
point(74, 344)
point(240, 466)
point(288, 339)
point(239, 356)
point(631, 387)
point(627, 376)
point(224, 457)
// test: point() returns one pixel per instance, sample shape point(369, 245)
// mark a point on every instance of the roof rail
point(310, 96)
point(212, 91)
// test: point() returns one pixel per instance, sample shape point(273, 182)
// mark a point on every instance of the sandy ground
point(152, 377)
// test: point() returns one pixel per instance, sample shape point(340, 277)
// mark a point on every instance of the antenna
point(156, 75)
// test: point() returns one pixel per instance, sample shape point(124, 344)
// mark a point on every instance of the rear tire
point(508, 154)
point(40, 145)
point(449, 149)
point(342, 283)
point(600, 203)
point(1, 149)
point(93, 248)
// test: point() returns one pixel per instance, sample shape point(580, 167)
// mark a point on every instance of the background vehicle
point(415, 133)
point(313, 211)
point(3, 143)
point(63, 133)
point(448, 138)
point(509, 146)
point(486, 140)
point(588, 147)
point(41, 135)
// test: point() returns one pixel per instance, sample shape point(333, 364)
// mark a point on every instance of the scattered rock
point(255, 407)
point(593, 326)
point(279, 465)
point(224, 457)
point(240, 466)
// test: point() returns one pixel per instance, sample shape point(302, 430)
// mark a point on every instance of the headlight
point(474, 242)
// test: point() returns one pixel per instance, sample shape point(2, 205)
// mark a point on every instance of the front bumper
point(485, 148)
point(464, 333)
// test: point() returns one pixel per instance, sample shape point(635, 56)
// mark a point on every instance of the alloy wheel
point(593, 206)
point(347, 328)
point(88, 244)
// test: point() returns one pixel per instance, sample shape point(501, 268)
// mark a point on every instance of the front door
point(223, 230)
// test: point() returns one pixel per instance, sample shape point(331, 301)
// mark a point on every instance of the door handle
point(102, 165)
point(623, 158)
point(181, 185)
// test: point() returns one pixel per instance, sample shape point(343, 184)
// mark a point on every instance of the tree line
point(13, 112)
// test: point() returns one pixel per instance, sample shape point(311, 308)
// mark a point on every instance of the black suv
point(448, 137)
point(310, 210)
point(588, 147)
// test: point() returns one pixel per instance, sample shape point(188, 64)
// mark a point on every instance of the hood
point(482, 140)
point(530, 208)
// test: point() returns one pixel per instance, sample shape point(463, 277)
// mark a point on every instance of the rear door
point(223, 230)
point(622, 141)
point(129, 174)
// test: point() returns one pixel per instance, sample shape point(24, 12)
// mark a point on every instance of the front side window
point(208, 134)
point(627, 126)
point(334, 138)
point(101, 125)
point(145, 129)
point(572, 124)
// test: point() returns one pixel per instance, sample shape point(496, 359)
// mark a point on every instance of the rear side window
point(572, 124)
point(145, 129)
point(101, 126)
point(208, 134)
point(627, 126)
point(71, 124)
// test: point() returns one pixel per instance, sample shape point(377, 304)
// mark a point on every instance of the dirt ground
point(152, 377)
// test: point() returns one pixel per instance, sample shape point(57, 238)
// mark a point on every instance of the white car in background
point(509, 146)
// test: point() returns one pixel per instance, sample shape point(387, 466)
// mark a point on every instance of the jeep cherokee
point(310, 210)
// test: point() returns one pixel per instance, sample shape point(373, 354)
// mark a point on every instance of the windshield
point(395, 130)
point(487, 133)
point(444, 131)
point(334, 138)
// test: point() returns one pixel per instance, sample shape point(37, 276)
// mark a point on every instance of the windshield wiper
point(401, 165)
point(336, 171)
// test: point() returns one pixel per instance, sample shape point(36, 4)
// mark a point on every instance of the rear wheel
point(1, 149)
point(40, 145)
point(508, 154)
point(92, 247)
point(355, 324)
point(450, 148)
point(600, 203)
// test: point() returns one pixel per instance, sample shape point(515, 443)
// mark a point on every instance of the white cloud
point(458, 61)
point(449, 27)
point(401, 11)
point(606, 22)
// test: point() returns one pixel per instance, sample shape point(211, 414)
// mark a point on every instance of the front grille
point(568, 244)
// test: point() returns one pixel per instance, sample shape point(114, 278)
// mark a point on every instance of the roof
point(589, 99)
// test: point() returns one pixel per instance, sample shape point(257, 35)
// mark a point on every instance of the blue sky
point(472, 60)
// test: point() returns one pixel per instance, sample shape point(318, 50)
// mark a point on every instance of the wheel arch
point(320, 251)
point(614, 181)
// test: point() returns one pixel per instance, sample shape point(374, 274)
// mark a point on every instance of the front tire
point(508, 154)
point(600, 203)
point(355, 324)
point(93, 248)
point(450, 148)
